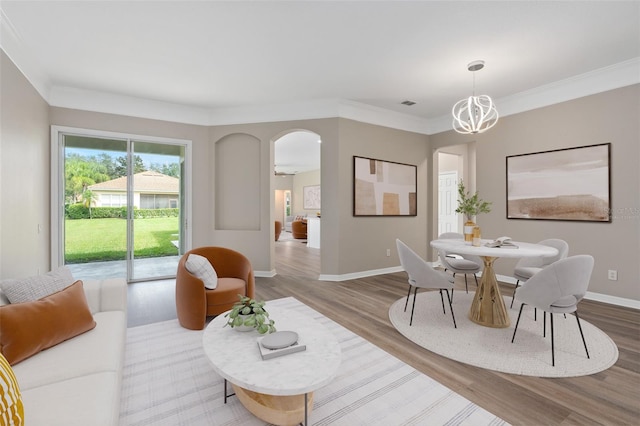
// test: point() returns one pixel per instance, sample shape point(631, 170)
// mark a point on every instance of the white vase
point(243, 327)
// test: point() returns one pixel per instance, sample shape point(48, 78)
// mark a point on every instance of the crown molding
point(12, 44)
point(601, 80)
point(110, 103)
point(612, 77)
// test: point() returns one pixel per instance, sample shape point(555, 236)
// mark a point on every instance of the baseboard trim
point(265, 274)
point(362, 274)
point(598, 297)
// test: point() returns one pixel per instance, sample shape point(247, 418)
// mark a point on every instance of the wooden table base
point(488, 306)
point(278, 410)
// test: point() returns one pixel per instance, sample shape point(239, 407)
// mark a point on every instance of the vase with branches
point(471, 206)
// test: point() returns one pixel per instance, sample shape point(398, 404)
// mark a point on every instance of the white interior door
point(447, 202)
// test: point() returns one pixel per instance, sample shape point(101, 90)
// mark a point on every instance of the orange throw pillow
point(30, 327)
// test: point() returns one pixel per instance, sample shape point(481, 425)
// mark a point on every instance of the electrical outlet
point(388, 252)
point(613, 275)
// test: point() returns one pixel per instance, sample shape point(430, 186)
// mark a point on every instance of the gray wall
point(349, 245)
point(606, 117)
point(24, 175)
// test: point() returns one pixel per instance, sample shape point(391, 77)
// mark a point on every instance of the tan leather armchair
point(278, 229)
point(194, 303)
point(299, 229)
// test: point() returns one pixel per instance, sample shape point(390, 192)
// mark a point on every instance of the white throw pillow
point(202, 268)
point(36, 287)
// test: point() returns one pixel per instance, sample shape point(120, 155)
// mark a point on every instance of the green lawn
point(90, 240)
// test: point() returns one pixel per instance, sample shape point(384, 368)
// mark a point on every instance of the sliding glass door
point(122, 210)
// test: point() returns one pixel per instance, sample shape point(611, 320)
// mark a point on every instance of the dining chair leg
point(442, 299)
point(517, 322)
point(544, 324)
point(414, 305)
point(581, 334)
point(476, 278)
point(451, 307)
point(407, 302)
point(513, 296)
point(466, 286)
point(553, 354)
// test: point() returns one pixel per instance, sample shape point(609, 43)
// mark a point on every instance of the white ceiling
point(297, 152)
point(213, 62)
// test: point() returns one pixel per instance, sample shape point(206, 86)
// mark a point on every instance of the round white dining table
point(488, 307)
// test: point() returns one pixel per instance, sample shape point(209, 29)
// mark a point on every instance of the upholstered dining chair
point(529, 266)
point(457, 263)
point(558, 288)
point(422, 275)
point(232, 274)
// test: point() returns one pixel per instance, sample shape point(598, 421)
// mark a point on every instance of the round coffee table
point(277, 390)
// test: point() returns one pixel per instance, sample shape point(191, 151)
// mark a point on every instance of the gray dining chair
point(422, 275)
point(558, 288)
point(457, 263)
point(529, 266)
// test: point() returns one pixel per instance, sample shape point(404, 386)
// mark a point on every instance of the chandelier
point(475, 114)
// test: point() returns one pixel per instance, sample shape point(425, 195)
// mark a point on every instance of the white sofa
point(78, 382)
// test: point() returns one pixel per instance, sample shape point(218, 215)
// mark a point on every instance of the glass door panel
point(95, 206)
point(116, 226)
point(155, 231)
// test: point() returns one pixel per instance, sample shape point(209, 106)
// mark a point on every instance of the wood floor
point(611, 397)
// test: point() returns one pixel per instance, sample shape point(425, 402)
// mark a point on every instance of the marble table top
point(523, 250)
point(236, 357)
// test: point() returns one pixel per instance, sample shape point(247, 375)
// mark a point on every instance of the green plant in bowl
point(248, 314)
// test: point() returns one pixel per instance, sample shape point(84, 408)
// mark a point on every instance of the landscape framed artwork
point(384, 188)
point(311, 197)
point(572, 184)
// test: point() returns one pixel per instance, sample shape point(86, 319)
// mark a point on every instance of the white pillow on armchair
point(202, 268)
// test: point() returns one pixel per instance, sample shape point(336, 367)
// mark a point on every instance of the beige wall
point(349, 245)
point(24, 176)
point(364, 240)
point(606, 117)
point(300, 180)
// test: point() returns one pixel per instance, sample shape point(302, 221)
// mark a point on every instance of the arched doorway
point(297, 177)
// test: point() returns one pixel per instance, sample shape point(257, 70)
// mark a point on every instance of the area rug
point(491, 348)
point(169, 381)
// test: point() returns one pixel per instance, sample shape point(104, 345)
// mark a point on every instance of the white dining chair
point(529, 266)
point(558, 288)
point(422, 275)
point(457, 263)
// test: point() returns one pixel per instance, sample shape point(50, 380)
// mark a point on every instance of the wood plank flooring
point(611, 397)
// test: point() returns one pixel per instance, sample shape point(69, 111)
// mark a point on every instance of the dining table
point(488, 307)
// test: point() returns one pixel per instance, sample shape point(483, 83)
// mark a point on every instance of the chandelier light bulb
point(475, 114)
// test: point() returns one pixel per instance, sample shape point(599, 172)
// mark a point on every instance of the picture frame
point(570, 184)
point(384, 188)
point(311, 197)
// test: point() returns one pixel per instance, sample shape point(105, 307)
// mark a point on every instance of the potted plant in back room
point(470, 206)
point(248, 314)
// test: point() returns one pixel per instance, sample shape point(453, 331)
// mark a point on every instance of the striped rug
point(169, 381)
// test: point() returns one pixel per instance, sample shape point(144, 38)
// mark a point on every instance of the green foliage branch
point(471, 205)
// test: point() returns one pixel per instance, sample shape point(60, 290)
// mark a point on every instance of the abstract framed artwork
point(572, 184)
point(311, 197)
point(384, 188)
